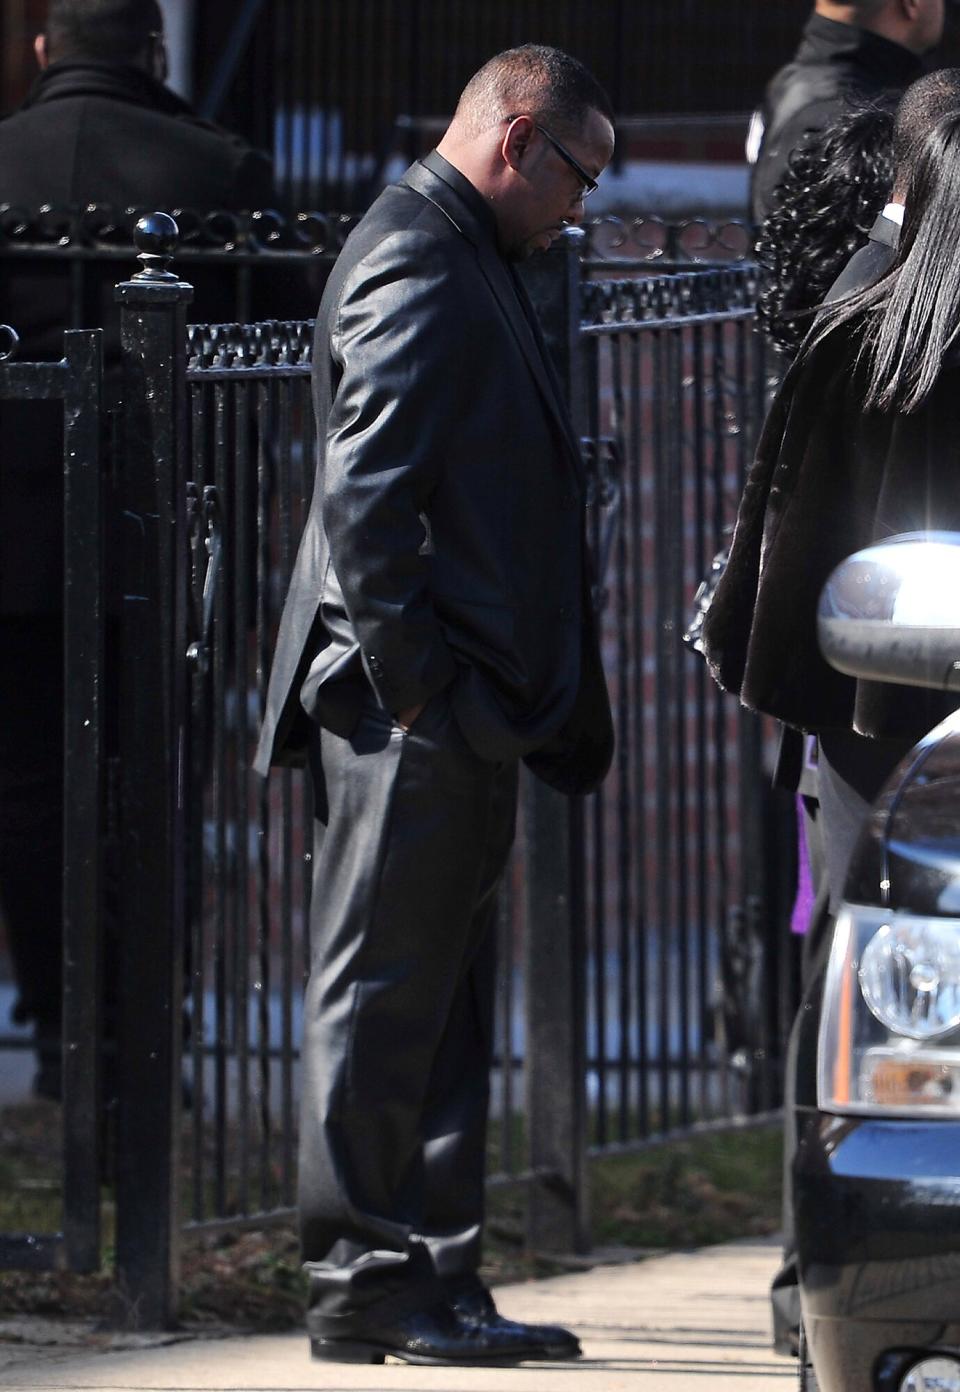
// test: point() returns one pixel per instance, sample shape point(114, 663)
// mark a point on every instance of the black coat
point(445, 541)
point(834, 63)
point(93, 133)
point(828, 479)
point(864, 268)
point(107, 133)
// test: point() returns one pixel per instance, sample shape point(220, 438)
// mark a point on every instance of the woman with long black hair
point(862, 442)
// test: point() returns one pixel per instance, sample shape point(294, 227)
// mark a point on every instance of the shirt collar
point(464, 190)
point(117, 81)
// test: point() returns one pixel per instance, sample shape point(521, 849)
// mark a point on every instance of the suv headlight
point(890, 1024)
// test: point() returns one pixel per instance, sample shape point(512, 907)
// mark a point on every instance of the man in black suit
point(851, 49)
point(437, 630)
point(99, 126)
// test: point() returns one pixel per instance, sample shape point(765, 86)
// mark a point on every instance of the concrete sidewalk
point(688, 1322)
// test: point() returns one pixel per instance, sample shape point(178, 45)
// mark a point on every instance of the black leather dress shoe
point(435, 1336)
point(473, 1306)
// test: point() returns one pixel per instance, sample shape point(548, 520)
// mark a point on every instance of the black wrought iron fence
point(640, 963)
point(72, 386)
point(251, 461)
point(681, 912)
point(243, 266)
point(630, 242)
point(249, 842)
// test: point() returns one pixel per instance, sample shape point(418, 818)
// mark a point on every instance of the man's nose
point(575, 214)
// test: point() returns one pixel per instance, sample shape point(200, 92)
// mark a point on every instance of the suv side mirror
point(892, 612)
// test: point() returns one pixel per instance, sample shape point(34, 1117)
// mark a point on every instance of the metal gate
point(75, 382)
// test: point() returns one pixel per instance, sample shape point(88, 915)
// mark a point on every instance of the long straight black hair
point(911, 316)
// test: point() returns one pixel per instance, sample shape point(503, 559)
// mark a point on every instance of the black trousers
point(851, 771)
point(398, 1013)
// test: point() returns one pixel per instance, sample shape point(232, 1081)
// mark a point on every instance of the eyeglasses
point(588, 184)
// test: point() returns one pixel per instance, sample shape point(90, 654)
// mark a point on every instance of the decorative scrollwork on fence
point(603, 464)
point(668, 297)
point(99, 226)
point(9, 342)
point(608, 239)
point(205, 543)
point(641, 236)
point(274, 343)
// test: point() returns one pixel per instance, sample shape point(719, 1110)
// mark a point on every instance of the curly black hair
point(837, 182)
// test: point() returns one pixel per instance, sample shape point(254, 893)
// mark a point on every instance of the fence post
point(83, 766)
point(555, 952)
point(152, 724)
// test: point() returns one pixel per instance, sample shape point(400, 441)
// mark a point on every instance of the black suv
point(877, 1172)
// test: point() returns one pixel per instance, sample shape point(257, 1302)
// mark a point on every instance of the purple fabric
point(803, 903)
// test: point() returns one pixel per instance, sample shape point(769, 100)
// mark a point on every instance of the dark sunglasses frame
point(588, 182)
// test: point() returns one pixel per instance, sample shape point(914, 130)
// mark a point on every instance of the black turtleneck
point(880, 61)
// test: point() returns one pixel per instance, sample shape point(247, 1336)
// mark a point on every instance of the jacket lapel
point(433, 186)
point(885, 231)
point(546, 358)
point(534, 349)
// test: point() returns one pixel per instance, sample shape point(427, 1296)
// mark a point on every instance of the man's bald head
point(532, 132)
point(535, 79)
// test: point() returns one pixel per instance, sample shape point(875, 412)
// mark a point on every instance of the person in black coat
point(99, 126)
point(860, 444)
point(438, 629)
point(853, 768)
point(849, 52)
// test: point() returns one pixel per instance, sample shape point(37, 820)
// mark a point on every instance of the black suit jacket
point(95, 133)
point(864, 268)
point(445, 545)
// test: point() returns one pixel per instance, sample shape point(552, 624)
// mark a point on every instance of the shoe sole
point(358, 1351)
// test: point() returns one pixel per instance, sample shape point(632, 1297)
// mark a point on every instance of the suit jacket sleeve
point(398, 342)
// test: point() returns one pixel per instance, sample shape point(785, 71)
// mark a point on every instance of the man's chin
point(540, 241)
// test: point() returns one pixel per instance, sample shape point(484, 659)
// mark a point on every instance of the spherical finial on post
point(156, 237)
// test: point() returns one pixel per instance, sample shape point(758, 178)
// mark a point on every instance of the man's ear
point(159, 62)
point(516, 141)
point(40, 51)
